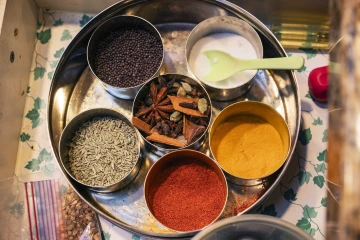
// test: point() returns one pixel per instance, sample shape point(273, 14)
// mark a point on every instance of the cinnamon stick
point(141, 125)
point(176, 104)
point(156, 137)
point(185, 130)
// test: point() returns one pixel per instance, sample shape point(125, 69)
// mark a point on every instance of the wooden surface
point(344, 155)
point(21, 15)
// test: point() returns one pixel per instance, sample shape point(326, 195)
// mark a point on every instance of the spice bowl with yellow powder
point(250, 141)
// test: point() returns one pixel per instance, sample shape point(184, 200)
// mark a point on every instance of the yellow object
point(295, 36)
point(247, 146)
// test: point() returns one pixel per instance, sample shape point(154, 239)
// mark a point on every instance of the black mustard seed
point(127, 57)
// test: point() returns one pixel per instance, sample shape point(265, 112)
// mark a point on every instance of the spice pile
point(247, 146)
point(187, 195)
point(102, 151)
point(128, 57)
point(172, 112)
point(77, 216)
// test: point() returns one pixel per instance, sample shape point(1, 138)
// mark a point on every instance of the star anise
point(157, 105)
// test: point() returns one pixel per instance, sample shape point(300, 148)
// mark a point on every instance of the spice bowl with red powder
point(186, 191)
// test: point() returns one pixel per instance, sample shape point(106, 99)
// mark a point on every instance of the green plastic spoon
point(224, 65)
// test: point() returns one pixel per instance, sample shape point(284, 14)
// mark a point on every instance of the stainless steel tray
point(74, 89)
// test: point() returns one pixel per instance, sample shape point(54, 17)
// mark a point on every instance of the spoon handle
point(294, 62)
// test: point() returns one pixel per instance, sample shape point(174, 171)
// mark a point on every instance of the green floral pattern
point(300, 198)
point(54, 31)
point(301, 195)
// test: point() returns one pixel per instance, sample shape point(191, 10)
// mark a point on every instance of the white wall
point(2, 11)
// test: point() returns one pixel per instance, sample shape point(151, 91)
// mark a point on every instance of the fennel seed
point(102, 151)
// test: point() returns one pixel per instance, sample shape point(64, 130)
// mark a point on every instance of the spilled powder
point(248, 147)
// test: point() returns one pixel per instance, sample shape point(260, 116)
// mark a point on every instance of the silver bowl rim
point(208, 159)
point(194, 142)
point(277, 113)
point(235, 19)
point(126, 16)
point(67, 128)
point(254, 218)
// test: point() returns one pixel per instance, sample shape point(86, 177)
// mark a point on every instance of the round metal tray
point(74, 89)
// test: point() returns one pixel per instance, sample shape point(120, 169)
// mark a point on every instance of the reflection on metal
point(60, 99)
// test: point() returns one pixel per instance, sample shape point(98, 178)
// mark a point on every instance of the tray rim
point(238, 11)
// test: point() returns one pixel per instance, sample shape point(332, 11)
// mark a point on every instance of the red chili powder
point(187, 195)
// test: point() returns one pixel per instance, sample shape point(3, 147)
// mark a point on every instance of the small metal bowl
point(178, 156)
point(68, 133)
point(224, 24)
point(263, 111)
point(103, 31)
point(161, 149)
point(252, 227)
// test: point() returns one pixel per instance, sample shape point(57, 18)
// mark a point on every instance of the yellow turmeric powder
point(247, 146)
